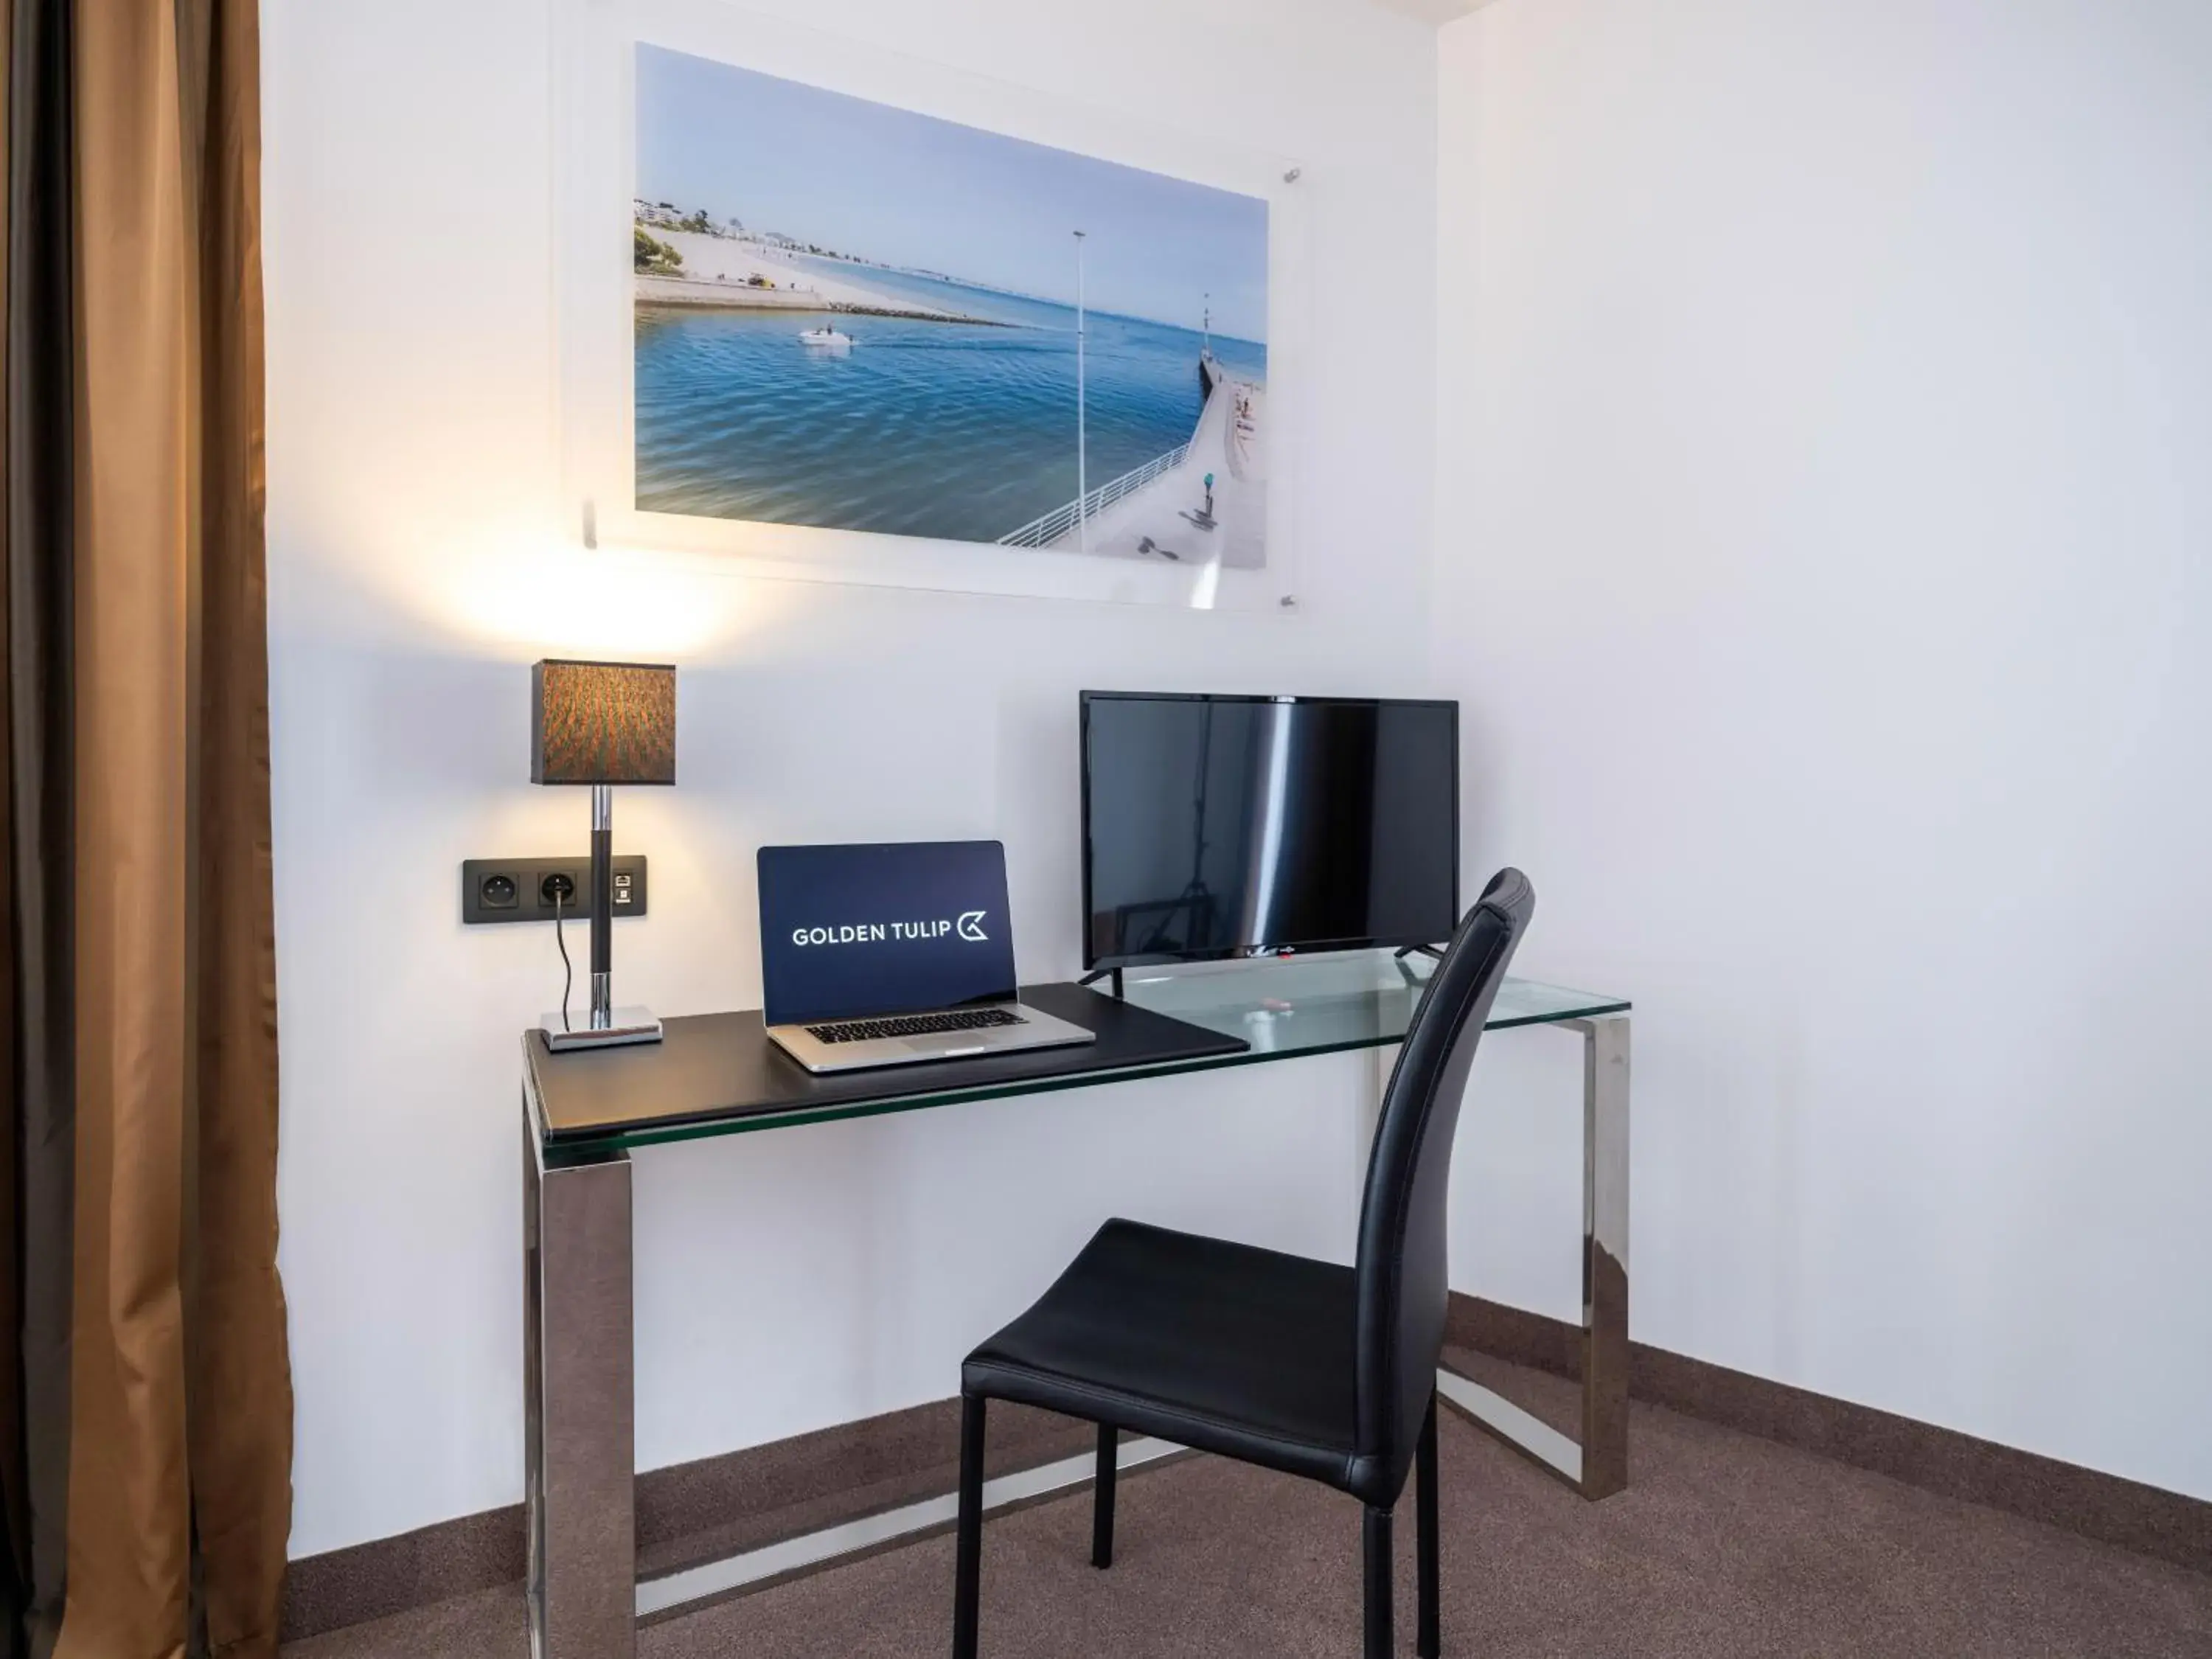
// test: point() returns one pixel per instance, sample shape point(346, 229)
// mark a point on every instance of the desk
point(582, 1112)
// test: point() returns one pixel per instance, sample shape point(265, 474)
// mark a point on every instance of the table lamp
point(602, 723)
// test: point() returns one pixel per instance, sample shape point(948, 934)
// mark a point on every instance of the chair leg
point(968, 1568)
point(1429, 1642)
point(1102, 1497)
point(1376, 1538)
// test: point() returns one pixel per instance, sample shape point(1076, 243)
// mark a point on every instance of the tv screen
point(1227, 826)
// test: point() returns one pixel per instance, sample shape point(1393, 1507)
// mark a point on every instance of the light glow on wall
point(605, 603)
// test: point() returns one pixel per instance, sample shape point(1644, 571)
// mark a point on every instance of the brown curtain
point(145, 1422)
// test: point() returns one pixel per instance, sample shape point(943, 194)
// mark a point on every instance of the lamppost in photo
point(1082, 471)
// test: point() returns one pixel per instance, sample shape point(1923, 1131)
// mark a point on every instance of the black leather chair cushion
point(1220, 1346)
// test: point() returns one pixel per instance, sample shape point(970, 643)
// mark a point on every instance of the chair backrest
point(1402, 1291)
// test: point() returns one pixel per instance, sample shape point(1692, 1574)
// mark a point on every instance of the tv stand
point(1114, 974)
point(1428, 951)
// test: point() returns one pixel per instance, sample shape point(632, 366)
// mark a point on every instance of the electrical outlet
point(524, 890)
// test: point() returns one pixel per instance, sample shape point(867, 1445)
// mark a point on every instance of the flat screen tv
point(1219, 827)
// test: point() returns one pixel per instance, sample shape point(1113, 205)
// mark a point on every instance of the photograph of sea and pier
point(855, 317)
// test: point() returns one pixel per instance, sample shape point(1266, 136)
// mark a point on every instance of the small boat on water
point(824, 337)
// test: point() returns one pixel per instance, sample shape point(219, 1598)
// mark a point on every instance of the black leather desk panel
point(711, 1068)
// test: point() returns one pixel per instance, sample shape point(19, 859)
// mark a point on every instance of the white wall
point(790, 1280)
point(1826, 560)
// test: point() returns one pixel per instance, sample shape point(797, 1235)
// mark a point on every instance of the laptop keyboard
point(907, 1025)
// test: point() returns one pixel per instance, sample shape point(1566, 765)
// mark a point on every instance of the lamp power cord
point(567, 970)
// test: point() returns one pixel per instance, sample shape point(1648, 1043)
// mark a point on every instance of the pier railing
point(1044, 530)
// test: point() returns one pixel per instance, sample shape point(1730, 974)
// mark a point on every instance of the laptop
point(892, 955)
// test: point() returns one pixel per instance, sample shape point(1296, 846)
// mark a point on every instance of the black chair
point(1314, 1370)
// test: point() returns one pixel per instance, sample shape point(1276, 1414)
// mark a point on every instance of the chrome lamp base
point(599, 1029)
point(604, 1025)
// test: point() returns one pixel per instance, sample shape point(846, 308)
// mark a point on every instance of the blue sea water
point(920, 428)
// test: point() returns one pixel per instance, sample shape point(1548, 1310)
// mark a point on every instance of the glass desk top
point(706, 1079)
point(1285, 1006)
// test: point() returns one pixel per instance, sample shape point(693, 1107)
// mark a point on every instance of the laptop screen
point(851, 931)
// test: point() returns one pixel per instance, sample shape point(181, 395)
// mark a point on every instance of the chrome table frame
point(1597, 1465)
point(580, 1410)
point(580, 1416)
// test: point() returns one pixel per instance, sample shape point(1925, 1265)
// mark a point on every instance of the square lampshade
point(602, 722)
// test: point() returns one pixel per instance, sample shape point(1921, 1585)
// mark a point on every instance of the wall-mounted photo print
point(858, 318)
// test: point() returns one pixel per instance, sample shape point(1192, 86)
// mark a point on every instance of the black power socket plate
point(512, 889)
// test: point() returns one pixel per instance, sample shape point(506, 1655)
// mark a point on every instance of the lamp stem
point(603, 906)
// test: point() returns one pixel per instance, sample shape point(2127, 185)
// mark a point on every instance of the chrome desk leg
point(579, 1435)
point(1605, 1256)
point(1598, 1466)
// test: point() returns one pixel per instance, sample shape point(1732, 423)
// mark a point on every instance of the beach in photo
point(854, 316)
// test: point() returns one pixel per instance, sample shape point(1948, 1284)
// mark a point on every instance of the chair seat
point(1219, 1347)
